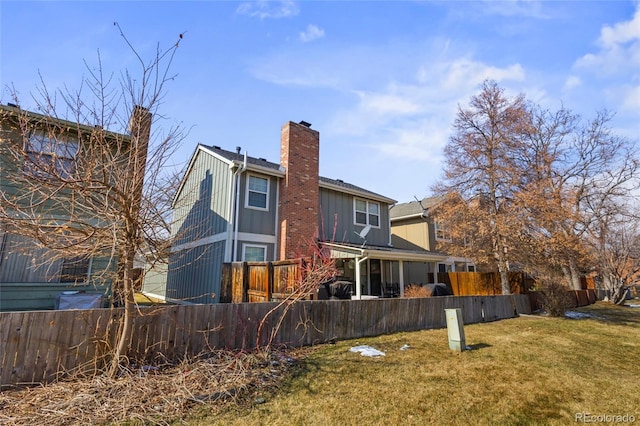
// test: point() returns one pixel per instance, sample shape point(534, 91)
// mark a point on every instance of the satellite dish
point(365, 231)
point(363, 234)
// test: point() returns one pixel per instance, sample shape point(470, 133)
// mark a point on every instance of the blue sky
point(380, 80)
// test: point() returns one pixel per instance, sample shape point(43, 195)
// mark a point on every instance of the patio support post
point(357, 272)
point(359, 260)
point(401, 271)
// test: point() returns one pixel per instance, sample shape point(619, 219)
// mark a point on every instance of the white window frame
point(442, 234)
point(448, 267)
point(246, 198)
point(45, 152)
point(260, 246)
point(367, 212)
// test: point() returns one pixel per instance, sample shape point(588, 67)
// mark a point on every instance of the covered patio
point(377, 271)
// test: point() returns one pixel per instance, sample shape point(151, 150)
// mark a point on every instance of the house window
point(445, 267)
point(254, 253)
point(49, 156)
point(443, 232)
point(257, 192)
point(74, 270)
point(366, 213)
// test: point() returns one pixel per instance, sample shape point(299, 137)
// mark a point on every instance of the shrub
point(555, 298)
point(415, 290)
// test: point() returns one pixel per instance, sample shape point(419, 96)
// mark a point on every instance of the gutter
point(237, 208)
point(234, 196)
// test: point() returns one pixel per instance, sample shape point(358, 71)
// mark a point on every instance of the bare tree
point(316, 267)
point(97, 182)
point(572, 174)
point(481, 167)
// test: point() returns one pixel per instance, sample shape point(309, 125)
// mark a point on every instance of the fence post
point(269, 289)
point(245, 282)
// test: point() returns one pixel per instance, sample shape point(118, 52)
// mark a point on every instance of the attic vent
point(13, 105)
point(216, 147)
point(238, 149)
point(262, 159)
point(339, 180)
point(305, 124)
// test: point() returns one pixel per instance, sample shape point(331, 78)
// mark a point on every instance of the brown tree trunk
point(126, 324)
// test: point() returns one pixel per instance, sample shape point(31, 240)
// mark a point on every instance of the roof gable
point(414, 208)
point(267, 167)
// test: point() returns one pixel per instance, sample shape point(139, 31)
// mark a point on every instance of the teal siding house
point(31, 278)
point(234, 207)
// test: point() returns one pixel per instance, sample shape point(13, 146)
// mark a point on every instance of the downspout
point(232, 186)
point(389, 223)
point(232, 208)
point(235, 224)
point(277, 224)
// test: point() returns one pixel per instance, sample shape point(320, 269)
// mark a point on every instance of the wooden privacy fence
point(577, 298)
point(39, 346)
point(266, 281)
point(260, 281)
point(486, 283)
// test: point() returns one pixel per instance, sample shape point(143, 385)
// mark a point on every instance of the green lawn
point(528, 370)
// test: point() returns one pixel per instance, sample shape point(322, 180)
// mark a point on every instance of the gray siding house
point(233, 207)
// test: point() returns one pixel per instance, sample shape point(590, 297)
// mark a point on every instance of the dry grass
point(146, 395)
point(416, 291)
point(525, 371)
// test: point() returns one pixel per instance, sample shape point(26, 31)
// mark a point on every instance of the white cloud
point(631, 99)
point(610, 75)
point(622, 32)
point(464, 72)
point(572, 82)
point(511, 8)
point(387, 103)
point(264, 9)
point(619, 49)
point(413, 120)
point(311, 33)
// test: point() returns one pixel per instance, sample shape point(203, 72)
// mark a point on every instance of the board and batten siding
point(201, 221)
point(254, 221)
point(339, 206)
point(202, 207)
point(194, 275)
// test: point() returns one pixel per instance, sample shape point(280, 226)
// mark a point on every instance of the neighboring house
point(28, 281)
point(415, 226)
point(233, 207)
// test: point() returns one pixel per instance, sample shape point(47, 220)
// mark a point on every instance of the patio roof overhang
point(341, 251)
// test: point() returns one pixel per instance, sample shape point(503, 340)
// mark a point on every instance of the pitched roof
point(239, 157)
point(335, 184)
point(414, 208)
point(34, 118)
point(339, 185)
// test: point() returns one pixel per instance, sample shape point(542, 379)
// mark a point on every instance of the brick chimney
point(140, 132)
point(298, 201)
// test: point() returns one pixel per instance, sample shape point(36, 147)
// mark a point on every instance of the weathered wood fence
point(38, 346)
point(485, 283)
point(577, 298)
point(266, 281)
point(259, 281)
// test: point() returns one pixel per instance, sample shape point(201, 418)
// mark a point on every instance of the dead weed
point(158, 395)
